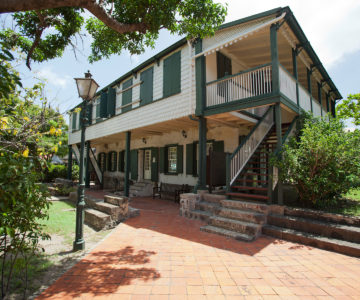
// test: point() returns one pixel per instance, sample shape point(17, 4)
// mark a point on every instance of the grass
point(61, 220)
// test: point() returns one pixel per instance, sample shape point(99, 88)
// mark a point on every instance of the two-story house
point(236, 92)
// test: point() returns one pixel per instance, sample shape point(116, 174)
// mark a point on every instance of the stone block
point(187, 203)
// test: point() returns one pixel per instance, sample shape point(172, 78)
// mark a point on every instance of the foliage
point(350, 108)
point(55, 171)
point(22, 161)
point(44, 33)
point(75, 172)
point(322, 163)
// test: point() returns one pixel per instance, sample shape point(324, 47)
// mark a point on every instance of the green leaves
point(322, 162)
point(350, 108)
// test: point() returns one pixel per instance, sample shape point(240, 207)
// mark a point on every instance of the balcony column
point(295, 53)
point(327, 103)
point(127, 164)
point(278, 129)
point(274, 59)
point(202, 154)
point(319, 85)
point(87, 164)
point(309, 75)
point(69, 170)
point(200, 79)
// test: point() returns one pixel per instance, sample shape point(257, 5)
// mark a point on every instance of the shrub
point(75, 172)
point(55, 171)
point(322, 162)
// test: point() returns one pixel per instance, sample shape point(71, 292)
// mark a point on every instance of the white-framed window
point(172, 159)
point(97, 109)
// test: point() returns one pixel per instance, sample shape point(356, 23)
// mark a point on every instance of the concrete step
point(236, 225)
point(245, 205)
point(228, 233)
point(200, 215)
point(207, 206)
point(314, 240)
point(213, 198)
point(113, 210)
point(97, 219)
point(327, 229)
point(243, 215)
point(115, 200)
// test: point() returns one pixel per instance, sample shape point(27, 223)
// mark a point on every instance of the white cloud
point(53, 77)
point(331, 26)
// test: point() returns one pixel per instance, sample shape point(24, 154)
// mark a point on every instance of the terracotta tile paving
point(160, 255)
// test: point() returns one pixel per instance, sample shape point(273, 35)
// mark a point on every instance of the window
point(74, 118)
point(102, 161)
point(172, 75)
point(172, 159)
point(127, 95)
point(97, 110)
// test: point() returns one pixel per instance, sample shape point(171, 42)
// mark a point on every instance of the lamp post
point(86, 88)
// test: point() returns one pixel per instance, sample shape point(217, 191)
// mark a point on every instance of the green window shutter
point(154, 164)
point(121, 161)
point(97, 112)
point(74, 116)
point(103, 105)
point(218, 146)
point(111, 102)
point(162, 160)
point(172, 75)
point(127, 96)
point(102, 161)
point(146, 87)
point(190, 159)
point(112, 158)
point(179, 159)
point(134, 164)
point(89, 109)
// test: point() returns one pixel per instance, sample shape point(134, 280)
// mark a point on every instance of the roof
point(290, 18)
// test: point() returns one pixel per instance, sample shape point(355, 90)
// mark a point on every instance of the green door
point(134, 164)
point(154, 164)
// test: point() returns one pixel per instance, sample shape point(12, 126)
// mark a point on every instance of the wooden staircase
point(252, 182)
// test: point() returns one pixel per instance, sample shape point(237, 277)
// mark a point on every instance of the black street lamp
point(87, 88)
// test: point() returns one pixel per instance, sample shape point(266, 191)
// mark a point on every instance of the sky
point(331, 26)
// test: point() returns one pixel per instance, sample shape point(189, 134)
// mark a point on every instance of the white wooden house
point(236, 92)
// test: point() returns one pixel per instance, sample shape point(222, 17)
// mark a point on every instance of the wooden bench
point(170, 191)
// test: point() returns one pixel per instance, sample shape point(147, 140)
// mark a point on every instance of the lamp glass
point(86, 87)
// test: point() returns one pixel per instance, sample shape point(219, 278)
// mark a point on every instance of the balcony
point(256, 83)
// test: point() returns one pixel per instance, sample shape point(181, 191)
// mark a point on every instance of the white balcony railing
point(287, 84)
point(304, 99)
point(243, 85)
point(316, 108)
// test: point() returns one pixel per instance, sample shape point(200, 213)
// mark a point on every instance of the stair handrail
point(289, 133)
point(239, 158)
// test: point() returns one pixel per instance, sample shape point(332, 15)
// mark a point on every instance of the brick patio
point(160, 255)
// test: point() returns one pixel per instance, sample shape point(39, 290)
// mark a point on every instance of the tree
point(322, 162)
point(350, 108)
point(117, 24)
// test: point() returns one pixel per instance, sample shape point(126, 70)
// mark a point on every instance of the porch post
point(309, 72)
point(278, 148)
point(69, 170)
point(274, 59)
point(200, 79)
point(327, 103)
point(202, 154)
point(295, 71)
point(87, 164)
point(319, 96)
point(127, 164)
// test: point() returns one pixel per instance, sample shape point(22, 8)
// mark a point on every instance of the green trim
point(296, 75)
point(289, 103)
point(202, 154)
point(242, 72)
point(200, 79)
point(198, 46)
point(250, 102)
point(327, 103)
point(319, 98)
point(308, 74)
point(127, 164)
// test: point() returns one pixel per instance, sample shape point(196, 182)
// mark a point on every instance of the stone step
point(113, 210)
point(236, 225)
point(115, 200)
point(243, 215)
point(322, 216)
point(213, 198)
point(327, 229)
point(247, 196)
point(200, 215)
point(228, 233)
point(314, 240)
point(97, 219)
point(245, 205)
point(207, 206)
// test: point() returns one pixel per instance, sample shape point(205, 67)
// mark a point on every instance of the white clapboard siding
point(173, 107)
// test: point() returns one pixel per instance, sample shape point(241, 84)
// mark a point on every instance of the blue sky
point(332, 27)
